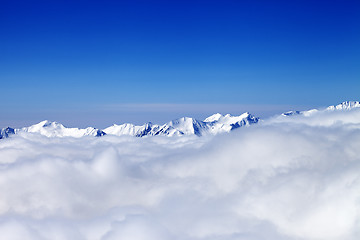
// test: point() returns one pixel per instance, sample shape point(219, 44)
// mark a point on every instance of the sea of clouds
point(285, 178)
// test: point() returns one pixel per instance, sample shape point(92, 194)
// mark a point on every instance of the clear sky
point(102, 62)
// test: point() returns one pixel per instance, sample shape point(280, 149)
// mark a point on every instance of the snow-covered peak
point(127, 129)
point(147, 129)
point(306, 113)
point(347, 105)
point(44, 124)
point(55, 129)
point(47, 123)
point(188, 126)
point(291, 113)
point(228, 119)
point(214, 117)
point(226, 123)
point(214, 124)
point(5, 132)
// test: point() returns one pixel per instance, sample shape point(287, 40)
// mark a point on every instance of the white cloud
point(289, 178)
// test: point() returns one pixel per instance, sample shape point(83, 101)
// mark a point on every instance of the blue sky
point(81, 62)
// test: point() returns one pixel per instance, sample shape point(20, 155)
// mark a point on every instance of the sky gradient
point(81, 62)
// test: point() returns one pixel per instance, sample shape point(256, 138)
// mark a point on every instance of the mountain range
point(347, 105)
point(212, 125)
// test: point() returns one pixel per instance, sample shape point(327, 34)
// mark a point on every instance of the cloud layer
point(287, 178)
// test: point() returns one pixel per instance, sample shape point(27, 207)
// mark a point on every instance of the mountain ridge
point(212, 125)
point(344, 106)
point(177, 127)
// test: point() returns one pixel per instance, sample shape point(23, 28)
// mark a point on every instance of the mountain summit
point(348, 105)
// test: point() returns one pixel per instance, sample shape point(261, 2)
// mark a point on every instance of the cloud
point(287, 178)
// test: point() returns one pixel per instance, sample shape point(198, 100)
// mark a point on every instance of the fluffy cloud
point(286, 178)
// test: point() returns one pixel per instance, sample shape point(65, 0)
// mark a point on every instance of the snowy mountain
point(5, 132)
point(147, 129)
point(53, 129)
point(304, 113)
point(348, 105)
point(291, 113)
point(219, 123)
point(188, 126)
point(344, 106)
point(212, 125)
